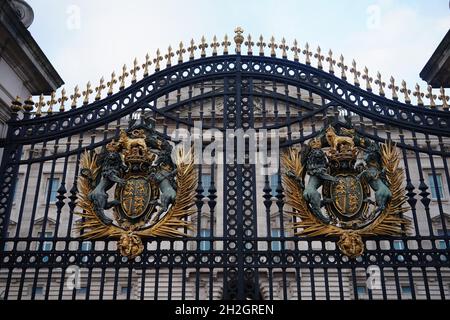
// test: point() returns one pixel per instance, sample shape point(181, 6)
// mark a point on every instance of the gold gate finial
point(99, 89)
point(406, 92)
point(318, 55)
point(272, 47)
point(202, 46)
point(122, 78)
point(444, 99)
point(355, 72)
point(419, 95)
point(214, 45)
point(181, 50)
point(62, 100)
point(380, 84)
point(431, 97)
point(111, 83)
point(368, 79)
point(157, 60)
point(191, 49)
point(296, 50)
point(343, 67)
point(169, 56)
point(394, 88)
point(331, 62)
point(135, 70)
point(249, 43)
point(76, 94)
point(308, 54)
point(261, 44)
point(146, 64)
point(87, 93)
point(238, 38)
point(51, 102)
point(39, 105)
point(225, 44)
point(283, 48)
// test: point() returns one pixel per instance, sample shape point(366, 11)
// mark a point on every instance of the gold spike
point(238, 38)
point(331, 62)
point(75, 96)
point(272, 47)
point(169, 56)
point(214, 45)
point(181, 50)
point(368, 79)
point(122, 78)
point(431, 96)
point(296, 50)
point(135, 70)
point(406, 92)
point(51, 102)
point(87, 93)
point(355, 72)
point(225, 44)
point(284, 48)
point(39, 105)
point(419, 95)
point(157, 60)
point(308, 54)
point(261, 44)
point(99, 89)
point(146, 65)
point(191, 49)
point(249, 43)
point(343, 67)
point(62, 100)
point(444, 99)
point(380, 84)
point(111, 83)
point(393, 87)
point(319, 58)
point(203, 45)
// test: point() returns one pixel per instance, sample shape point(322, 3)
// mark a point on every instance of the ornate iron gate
point(242, 244)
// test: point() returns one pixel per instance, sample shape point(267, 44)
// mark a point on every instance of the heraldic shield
point(343, 184)
point(153, 195)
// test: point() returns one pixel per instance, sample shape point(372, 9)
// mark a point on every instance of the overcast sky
point(87, 39)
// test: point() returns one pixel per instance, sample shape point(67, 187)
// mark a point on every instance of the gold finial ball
point(16, 105)
point(238, 38)
point(28, 104)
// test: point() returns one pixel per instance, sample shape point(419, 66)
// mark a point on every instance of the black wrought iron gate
point(242, 245)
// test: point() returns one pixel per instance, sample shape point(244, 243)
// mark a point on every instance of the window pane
point(274, 184)
point(53, 184)
point(206, 183)
point(436, 191)
point(276, 245)
point(205, 245)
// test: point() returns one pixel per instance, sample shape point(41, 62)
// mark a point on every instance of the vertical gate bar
point(298, 279)
point(156, 278)
point(88, 283)
point(422, 186)
point(409, 186)
point(327, 288)
point(446, 235)
point(383, 283)
point(354, 283)
point(129, 283)
point(312, 278)
point(102, 284)
point(425, 281)
point(411, 283)
point(340, 283)
point(397, 283)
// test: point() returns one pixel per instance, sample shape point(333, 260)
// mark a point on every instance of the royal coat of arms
point(333, 193)
point(153, 193)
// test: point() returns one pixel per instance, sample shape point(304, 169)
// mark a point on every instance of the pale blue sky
point(396, 42)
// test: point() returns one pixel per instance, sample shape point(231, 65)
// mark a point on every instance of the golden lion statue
point(336, 141)
point(129, 143)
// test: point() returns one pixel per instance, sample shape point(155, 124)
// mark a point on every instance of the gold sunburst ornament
point(153, 194)
point(360, 199)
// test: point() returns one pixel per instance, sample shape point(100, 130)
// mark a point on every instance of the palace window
point(436, 189)
point(46, 245)
point(442, 243)
point(52, 187)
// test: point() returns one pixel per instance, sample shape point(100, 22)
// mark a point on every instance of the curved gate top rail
point(31, 124)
